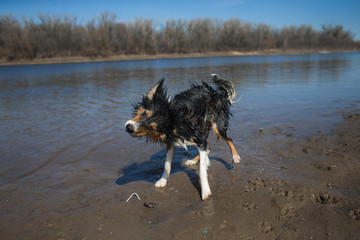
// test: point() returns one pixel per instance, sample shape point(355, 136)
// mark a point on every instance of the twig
point(133, 195)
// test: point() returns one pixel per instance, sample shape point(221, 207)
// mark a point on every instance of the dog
point(185, 120)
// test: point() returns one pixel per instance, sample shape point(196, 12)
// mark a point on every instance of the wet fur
point(185, 120)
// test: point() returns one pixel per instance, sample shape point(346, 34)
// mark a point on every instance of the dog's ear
point(156, 88)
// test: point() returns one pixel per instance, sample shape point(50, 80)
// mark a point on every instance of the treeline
point(61, 36)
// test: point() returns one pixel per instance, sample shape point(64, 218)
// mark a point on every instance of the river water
point(62, 125)
point(74, 110)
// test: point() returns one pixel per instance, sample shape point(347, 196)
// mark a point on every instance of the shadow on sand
point(151, 170)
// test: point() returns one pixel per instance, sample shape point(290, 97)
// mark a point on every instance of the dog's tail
point(226, 87)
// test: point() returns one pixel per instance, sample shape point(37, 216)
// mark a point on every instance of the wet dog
point(185, 120)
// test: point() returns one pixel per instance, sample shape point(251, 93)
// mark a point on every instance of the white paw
point(205, 193)
point(236, 158)
point(190, 162)
point(161, 183)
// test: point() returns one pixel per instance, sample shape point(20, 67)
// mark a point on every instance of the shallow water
point(67, 113)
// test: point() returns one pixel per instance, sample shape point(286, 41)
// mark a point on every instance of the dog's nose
point(130, 128)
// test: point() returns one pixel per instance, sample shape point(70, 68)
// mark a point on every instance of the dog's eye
point(143, 114)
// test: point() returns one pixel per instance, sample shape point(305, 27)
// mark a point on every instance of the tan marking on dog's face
point(141, 113)
point(138, 114)
point(153, 125)
point(158, 137)
point(154, 135)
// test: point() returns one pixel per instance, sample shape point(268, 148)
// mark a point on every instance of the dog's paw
point(236, 158)
point(161, 183)
point(190, 162)
point(205, 193)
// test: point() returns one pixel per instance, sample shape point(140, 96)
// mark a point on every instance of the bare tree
point(54, 36)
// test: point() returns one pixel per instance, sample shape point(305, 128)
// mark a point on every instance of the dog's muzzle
point(131, 126)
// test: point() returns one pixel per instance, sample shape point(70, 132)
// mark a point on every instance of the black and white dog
point(185, 120)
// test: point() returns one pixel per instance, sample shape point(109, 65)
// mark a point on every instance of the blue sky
point(277, 13)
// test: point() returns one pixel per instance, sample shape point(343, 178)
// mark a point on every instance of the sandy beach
point(309, 189)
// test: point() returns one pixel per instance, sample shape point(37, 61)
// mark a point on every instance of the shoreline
point(64, 60)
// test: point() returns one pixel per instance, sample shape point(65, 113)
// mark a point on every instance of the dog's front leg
point(167, 168)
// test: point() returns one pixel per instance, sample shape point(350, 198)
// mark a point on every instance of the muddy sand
point(286, 187)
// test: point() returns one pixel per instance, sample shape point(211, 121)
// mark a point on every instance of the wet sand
point(286, 187)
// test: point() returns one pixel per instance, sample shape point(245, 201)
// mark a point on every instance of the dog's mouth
point(134, 129)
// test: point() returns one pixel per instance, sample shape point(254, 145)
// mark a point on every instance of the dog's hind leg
point(204, 161)
point(167, 168)
point(235, 156)
point(221, 133)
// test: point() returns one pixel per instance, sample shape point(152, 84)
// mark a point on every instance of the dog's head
point(151, 115)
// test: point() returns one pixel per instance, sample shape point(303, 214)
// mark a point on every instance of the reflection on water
point(55, 115)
